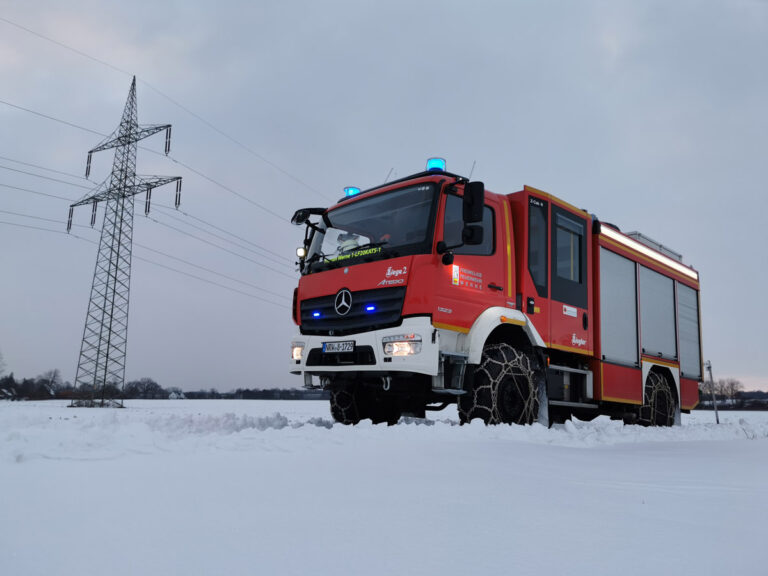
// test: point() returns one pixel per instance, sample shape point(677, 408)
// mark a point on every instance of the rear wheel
point(659, 403)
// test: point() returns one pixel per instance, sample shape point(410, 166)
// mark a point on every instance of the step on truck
point(430, 290)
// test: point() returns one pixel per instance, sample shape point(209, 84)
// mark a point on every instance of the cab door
point(570, 325)
point(475, 280)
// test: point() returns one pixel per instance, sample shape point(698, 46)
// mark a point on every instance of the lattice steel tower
point(103, 350)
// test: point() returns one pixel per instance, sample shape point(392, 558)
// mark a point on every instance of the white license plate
point(347, 346)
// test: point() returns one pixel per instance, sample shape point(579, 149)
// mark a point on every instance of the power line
point(36, 192)
point(175, 103)
point(62, 45)
point(169, 214)
point(148, 261)
point(172, 158)
point(40, 218)
point(46, 230)
point(237, 142)
point(90, 188)
point(46, 115)
point(228, 189)
point(182, 231)
point(221, 248)
point(187, 262)
point(43, 168)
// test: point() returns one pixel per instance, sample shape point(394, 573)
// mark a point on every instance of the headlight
point(402, 345)
point(297, 349)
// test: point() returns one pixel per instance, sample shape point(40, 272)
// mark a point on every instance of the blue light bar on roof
point(437, 164)
point(351, 191)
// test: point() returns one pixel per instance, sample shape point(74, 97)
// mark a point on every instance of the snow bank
point(275, 487)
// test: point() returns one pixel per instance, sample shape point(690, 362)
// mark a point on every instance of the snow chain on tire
point(505, 388)
point(344, 407)
point(659, 404)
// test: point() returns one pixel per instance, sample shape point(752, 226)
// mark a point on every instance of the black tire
point(505, 388)
point(344, 406)
point(380, 410)
point(477, 402)
point(659, 403)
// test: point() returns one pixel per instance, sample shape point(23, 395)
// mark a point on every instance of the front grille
point(319, 317)
point(363, 355)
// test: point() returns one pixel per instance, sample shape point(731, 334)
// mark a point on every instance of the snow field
point(275, 487)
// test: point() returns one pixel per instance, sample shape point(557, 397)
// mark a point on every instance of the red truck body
point(605, 321)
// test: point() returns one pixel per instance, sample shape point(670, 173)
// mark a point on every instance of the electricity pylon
point(105, 337)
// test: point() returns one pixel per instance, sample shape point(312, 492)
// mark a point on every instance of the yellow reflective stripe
point(509, 251)
point(450, 327)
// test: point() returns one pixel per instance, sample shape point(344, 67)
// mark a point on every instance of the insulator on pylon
point(88, 166)
point(146, 203)
point(167, 140)
point(69, 220)
point(93, 213)
point(178, 193)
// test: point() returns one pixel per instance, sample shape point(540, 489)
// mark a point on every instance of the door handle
point(494, 287)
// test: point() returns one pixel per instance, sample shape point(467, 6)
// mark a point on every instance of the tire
point(659, 403)
point(344, 406)
point(380, 410)
point(505, 388)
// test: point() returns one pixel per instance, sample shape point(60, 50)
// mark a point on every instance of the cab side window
point(453, 225)
point(569, 258)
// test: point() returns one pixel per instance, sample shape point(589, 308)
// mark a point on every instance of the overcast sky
point(651, 115)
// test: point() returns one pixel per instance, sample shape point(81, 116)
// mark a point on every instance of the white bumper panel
point(425, 362)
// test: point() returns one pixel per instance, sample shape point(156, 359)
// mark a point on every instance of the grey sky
point(652, 115)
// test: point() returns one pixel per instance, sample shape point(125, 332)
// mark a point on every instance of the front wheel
point(505, 388)
point(344, 406)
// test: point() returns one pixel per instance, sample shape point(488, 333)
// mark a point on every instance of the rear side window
point(454, 224)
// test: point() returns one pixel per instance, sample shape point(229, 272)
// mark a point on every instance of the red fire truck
point(519, 307)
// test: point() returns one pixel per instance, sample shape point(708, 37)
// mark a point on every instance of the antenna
point(473, 169)
point(101, 366)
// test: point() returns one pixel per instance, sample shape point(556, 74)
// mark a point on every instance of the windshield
point(392, 224)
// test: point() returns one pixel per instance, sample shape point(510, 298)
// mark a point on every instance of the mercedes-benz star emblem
point(343, 302)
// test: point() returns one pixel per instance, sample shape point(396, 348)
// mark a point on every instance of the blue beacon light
point(316, 314)
point(351, 191)
point(436, 164)
point(370, 308)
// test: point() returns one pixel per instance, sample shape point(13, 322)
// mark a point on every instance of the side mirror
point(474, 201)
point(472, 234)
point(300, 217)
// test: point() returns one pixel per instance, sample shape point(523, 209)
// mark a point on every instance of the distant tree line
point(729, 392)
point(49, 386)
point(730, 395)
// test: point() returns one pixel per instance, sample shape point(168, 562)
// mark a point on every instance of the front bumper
point(368, 355)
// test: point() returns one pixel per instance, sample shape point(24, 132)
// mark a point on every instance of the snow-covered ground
point(269, 487)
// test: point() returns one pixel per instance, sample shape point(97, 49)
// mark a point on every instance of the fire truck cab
point(519, 307)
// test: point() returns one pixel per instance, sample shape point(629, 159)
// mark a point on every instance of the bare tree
point(729, 388)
